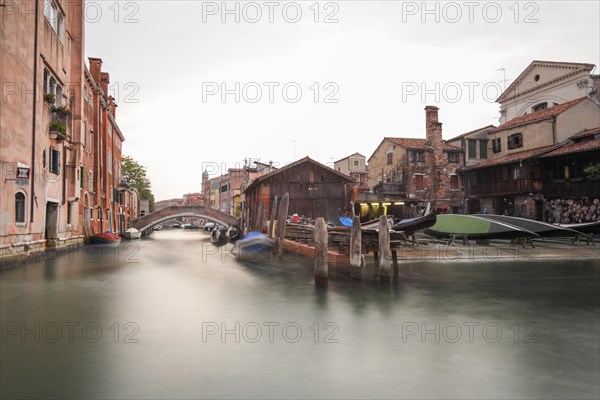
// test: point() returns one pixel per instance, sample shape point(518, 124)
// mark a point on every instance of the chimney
point(95, 68)
point(104, 82)
point(433, 128)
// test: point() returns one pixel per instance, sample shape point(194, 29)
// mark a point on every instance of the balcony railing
point(58, 126)
point(506, 187)
point(572, 188)
point(393, 188)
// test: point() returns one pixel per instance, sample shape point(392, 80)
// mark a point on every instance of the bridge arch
point(149, 220)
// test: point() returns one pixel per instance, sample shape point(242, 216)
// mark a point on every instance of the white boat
point(132, 233)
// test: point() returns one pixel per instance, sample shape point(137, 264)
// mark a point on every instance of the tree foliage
point(592, 170)
point(134, 175)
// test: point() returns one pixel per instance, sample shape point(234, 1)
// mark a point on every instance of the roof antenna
point(504, 73)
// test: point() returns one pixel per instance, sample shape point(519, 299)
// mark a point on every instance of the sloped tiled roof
point(515, 157)
point(575, 147)
point(489, 127)
point(419, 144)
point(586, 133)
point(351, 155)
point(539, 115)
point(306, 159)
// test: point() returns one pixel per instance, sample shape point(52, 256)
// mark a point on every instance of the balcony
point(574, 188)
point(58, 126)
point(506, 187)
point(391, 188)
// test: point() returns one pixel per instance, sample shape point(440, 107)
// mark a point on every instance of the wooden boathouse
point(315, 190)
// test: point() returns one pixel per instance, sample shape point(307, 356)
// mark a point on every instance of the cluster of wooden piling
point(384, 255)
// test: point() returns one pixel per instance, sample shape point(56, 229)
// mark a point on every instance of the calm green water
point(147, 321)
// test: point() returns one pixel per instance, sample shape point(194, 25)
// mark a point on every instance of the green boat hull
point(543, 229)
point(474, 227)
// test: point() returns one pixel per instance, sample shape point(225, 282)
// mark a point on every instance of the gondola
point(412, 225)
point(474, 227)
point(590, 228)
point(543, 229)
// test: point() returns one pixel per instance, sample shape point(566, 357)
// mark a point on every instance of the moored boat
point(218, 236)
point(254, 246)
point(585, 227)
point(474, 227)
point(543, 229)
point(132, 234)
point(412, 225)
point(106, 239)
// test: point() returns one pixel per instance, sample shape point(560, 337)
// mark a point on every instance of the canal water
point(172, 317)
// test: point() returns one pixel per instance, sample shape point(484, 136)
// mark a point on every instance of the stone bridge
point(149, 220)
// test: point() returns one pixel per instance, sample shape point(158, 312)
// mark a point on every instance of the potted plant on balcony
point(62, 111)
point(58, 130)
point(49, 98)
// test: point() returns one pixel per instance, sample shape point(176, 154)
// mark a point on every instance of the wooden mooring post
point(385, 253)
point(321, 260)
point(281, 222)
point(355, 244)
point(273, 216)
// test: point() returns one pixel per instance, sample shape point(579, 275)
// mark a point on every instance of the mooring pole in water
point(273, 216)
point(385, 254)
point(321, 268)
point(355, 244)
point(281, 222)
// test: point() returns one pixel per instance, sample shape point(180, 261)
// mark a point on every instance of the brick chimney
point(104, 82)
point(433, 129)
point(431, 124)
point(95, 68)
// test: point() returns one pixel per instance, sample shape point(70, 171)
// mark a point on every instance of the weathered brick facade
point(423, 169)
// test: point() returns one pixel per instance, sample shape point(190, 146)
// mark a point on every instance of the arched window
point(20, 207)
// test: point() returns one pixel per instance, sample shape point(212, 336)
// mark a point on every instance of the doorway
point(51, 229)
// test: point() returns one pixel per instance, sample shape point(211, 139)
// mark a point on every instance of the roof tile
point(539, 115)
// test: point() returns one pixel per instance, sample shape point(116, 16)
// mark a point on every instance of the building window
point(497, 145)
point(54, 161)
point(517, 172)
point(390, 158)
point(109, 161)
point(20, 208)
point(91, 181)
point(419, 182)
point(54, 17)
point(472, 149)
point(515, 141)
point(483, 149)
point(52, 87)
point(453, 157)
point(356, 178)
point(540, 107)
point(69, 211)
point(91, 211)
point(453, 182)
point(99, 214)
point(356, 163)
point(416, 156)
point(81, 177)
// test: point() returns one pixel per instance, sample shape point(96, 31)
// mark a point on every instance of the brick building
point(419, 170)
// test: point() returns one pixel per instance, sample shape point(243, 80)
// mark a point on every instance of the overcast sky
point(366, 73)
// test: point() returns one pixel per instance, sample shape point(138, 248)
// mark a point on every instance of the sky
point(203, 85)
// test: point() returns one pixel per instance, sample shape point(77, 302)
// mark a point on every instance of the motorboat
point(132, 234)
point(105, 239)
